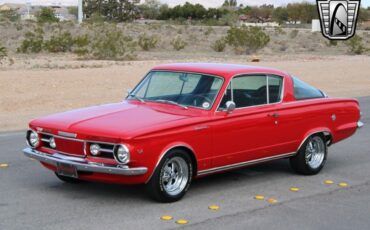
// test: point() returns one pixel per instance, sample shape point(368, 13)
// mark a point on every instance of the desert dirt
point(29, 93)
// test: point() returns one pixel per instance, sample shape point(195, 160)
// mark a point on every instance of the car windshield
point(178, 88)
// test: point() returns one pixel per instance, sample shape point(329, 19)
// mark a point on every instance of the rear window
point(303, 90)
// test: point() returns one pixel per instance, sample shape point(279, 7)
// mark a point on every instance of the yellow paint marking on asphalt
point(294, 189)
point(259, 197)
point(342, 184)
point(214, 207)
point(328, 182)
point(181, 221)
point(272, 200)
point(166, 218)
point(4, 165)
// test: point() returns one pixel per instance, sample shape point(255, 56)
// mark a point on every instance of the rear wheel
point(69, 180)
point(311, 157)
point(172, 177)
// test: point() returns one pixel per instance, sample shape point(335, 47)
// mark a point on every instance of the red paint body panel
point(215, 138)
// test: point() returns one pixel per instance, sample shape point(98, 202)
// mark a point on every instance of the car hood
point(123, 120)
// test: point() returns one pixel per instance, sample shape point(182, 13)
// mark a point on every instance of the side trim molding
point(242, 164)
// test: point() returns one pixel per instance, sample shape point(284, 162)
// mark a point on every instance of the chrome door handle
point(274, 115)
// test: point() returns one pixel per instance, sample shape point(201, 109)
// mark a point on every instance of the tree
point(230, 3)
point(307, 12)
point(363, 15)
point(280, 15)
point(150, 9)
point(73, 10)
point(46, 14)
point(112, 10)
point(294, 12)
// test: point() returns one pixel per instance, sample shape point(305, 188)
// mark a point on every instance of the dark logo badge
point(338, 18)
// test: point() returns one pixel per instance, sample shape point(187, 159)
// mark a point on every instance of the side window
point(303, 90)
point(252, 90)
point(275, 88)
point(249, 90)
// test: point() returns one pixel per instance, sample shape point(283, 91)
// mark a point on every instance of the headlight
point(33, 139)
point(52, 143)
point(122, 154)
point(94, 149)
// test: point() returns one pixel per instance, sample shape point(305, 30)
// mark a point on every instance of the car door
point(247, 133)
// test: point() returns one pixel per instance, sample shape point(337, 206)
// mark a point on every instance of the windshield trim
point(179, 71)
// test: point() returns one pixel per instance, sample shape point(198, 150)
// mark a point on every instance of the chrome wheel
point(175, 176)
point(315, 152)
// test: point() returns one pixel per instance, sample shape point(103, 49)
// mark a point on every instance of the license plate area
point(67, 170)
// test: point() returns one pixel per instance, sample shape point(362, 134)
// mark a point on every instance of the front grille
point(64, 145)
point(69, 146)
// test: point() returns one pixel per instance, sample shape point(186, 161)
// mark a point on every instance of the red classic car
point(184, 121)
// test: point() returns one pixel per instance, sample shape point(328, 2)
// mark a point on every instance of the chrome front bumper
point(360, 124)
point(83, 165)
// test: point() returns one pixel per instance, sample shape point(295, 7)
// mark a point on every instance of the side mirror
point(230, 106)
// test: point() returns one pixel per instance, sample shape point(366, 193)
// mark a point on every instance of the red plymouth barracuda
point(183, 121)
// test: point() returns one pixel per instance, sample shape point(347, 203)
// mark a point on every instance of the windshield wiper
point(137, 97)
point(172, 103)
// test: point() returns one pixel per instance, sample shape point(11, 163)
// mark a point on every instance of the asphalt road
point(31, 197)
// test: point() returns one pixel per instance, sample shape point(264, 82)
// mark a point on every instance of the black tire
point(69, 180)
point(156, 187)
point(301, 165)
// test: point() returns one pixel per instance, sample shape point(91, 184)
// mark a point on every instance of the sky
point(206, 3)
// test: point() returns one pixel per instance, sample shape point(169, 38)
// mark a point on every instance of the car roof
point(218, 69)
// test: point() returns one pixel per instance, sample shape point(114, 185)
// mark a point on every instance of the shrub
point(81, 45)
point(355, 45)
point(208, 31)
point(9, 15)
point(332, 43)
point(147, 42)
point(293, 33)
point(178, 43)
point(62, 42)
point(219, 45)
point(3, 53)
point(279, 30)
point(249, 39)
point(46, 14)
point(33, 42)
point(112, 45)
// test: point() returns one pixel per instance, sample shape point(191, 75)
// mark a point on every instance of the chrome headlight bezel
point(94, 149)
point(120, 150)
point(34, 135)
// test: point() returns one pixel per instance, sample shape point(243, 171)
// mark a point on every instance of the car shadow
point(132, 193)
point(269, 170)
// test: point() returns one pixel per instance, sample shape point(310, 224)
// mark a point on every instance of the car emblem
point(338, 18)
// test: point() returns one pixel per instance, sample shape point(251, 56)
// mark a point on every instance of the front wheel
point(172, 177)
point(311, 157)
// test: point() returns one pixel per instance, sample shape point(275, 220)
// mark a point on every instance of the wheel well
point(192, 157)
point(328, 138)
